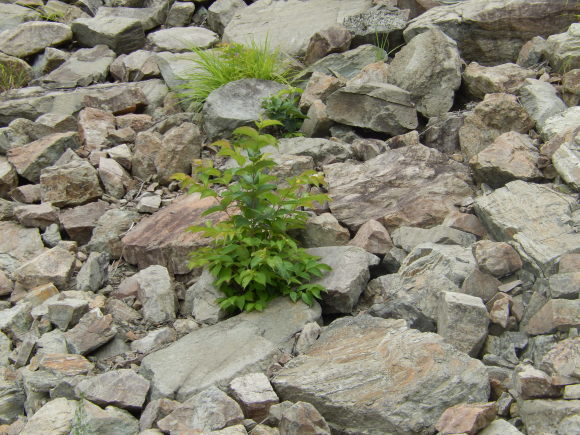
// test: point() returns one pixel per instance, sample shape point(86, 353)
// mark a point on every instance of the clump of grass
point(230, 62)
point(12, 76)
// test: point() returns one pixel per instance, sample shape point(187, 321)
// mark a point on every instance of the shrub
point(252, 256)
point(230, 62)
point(283, 107)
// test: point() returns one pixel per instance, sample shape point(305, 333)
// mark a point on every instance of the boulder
point(109, 420)
point(561, 361)
point(203, 357)
point(254, 394)
point(492, 32)
point(496, 258)
point(72, 183)
point(30, 38)
point(348, 64)
point(302, 418)
point(93, 330)
point(78, 222)
point(409, 237)
point(335, 39)
point(11, 15)
point(466, 418)
point(323, 230)
point(135, 66)
point(380, 107)
point(235, 104)
point(55, 266)
point(507, 78)
point(540, 100)
point(495, 115)
point(221, 12)
point(18, 245)
point(413, 186)
point(562, 49)
point(543, 416)
point(162, 237)
point(322, 151)
point(36, 215)
point(560, 123)
point(55, 417)
point(289, 25)
point(181, 39)
point(556, 314)
point(120, 100)
point(122, 35)
point(566, 160)
point(348, 277)
point(200, 300)
point(366, 374)
point(429, 67)
point(536, 218)
point(179, 147)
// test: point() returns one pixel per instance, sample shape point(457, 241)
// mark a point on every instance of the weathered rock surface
point(506, 78)
point(562, 49)
point(30, 38)
point(55, 417)
point(540, 100)
point(52, 266)
point(123, 388)
point(373, 238)
point(399, 187)
point(78, 222)
point(92, 331)
point(203, 357)
point(182, 39)
point(379, 383)
point(301, 418)
point(156, 294)
point(122, 35)
point(254, 394)
point(72, 183)
point(109, 228)
point(542, 416)
point(409, 237)
point(566, 160)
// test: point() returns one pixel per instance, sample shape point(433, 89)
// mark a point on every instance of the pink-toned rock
point(562, 362)
point(162, 237)
point(65, 364)
point(27, 194)
point(94, 127)
point(137, 122)
point(335, 39)
point(373, 72)
point(466, 418)
point(569, 263)
point(92, 331)
point(73, 183)
point(556, 314)
point(499, 309)
point(79, 222)
point(373, 237)
point(506, 78)
point(465, 222)
point(254, 394)
point(497, 258)
point(319, 87)
point(531, 383)
point(36, 215)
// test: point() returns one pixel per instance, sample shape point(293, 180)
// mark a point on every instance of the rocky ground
point(454, 231)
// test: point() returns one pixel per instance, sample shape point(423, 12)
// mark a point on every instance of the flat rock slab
point(289, 24)
point(182, 39)
point(122, 35)
point(162, 237)
point(538, 220)
point(371, 375)
point(18, 245)
point(216, 354)
point(33, 37)
point(413, 186)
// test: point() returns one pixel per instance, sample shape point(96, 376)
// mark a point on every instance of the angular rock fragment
point(556, 314)
point(373, 238)
point(466, 418)
point(122, 35)
point(92, 331)
point(52, 266)
point(94, 273)
point(254, 394)
point(531, 383)
point(72, 183)
point(156, 294)
point(182, 39)
point(335, 39)
point(301, 418)
point(109, 229)
point(506, 78)
point(109, 420)
point(30, 38)
point(123, 388)
point(78, 222)
point(67, 313)
point(56, 416)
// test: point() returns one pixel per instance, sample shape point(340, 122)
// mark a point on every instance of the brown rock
point(569, 263)
point(373, 237)
point(155, 411)
point(373, 72)
point(303, 418)
point(162, 237)
point(571, 87)
point(562, 362)
point(556, 314)
point(92, 331)
point(335, 39)
point(496, 114)
point(119, 100)
point(480, 284)
point(8, 177)
point(466, 418)
point(147, 145)
point(499, 309)
point(531, 383)
point(511, 156)
point(27, 194)
point(40, 294)
point(53, 266)
point(137, 122)
point(73, 183)
point(94, 127)
point(465, 222)
point(65, 364)
point(399, 187)
point(36, 215)
point(179, 147)
point(496, 258)
point(254, 394)
point(507, 78)
point(79, 221)
point(317, 122)
point(319, 87)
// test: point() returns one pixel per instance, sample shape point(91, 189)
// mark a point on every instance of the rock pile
point(452, 157)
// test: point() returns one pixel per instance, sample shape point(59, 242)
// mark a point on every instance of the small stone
point(27, 194)
point(531, 383)
point(154, 340)
point(121, 154)
point(156, 294)
point(156, 410)
point(303, 418)
point(149, 204)
point(67, 313)
point(254, 394)
point(93, 330)
point(78, 222)
point(481, 285)
point(373, 237)
point(94, 274)
point(324, 230)
point(468, 223)
point(466, 418)
point(180, 14)
point(51, 236)
point(335, 39)
point(497, 258)
point(319, 87)
point(123, 388)
point(65, 364)
point(307, 337)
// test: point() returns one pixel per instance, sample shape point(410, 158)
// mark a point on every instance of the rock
point(6, 285)
point(288, 25)
point(180, 14)
point(149, 204)
point(335, 39)
point(324, 230)
point(66, 313)
point(114, 178)
point(540, 101)
point(496, 114)
point(466, 418)
point(21, 68)
point(531, 383)
point(443, 132)
point(562, 49)
point(30, 159)
point(94, 127)
point(560, 123)
point(54, 266)
point(481, 285)
point(512, 156)
point(179, 147)
point(109, 229)
point(119, 100)
point(162, 238)
point(564, 285)
point(381, 25)
point(381, 107)
point(317, 122)
point(36, 215)
point(480, 28)
point(174, 66)
point(203, 295)
point(235, 104)
point(500, 427)
point(341, 371)
point(496, 258)
point(27, 194)
point(153, 340)
point(82, 68)
point(13, 15)
point(556, 314)
point(78, 222)
point(507, 78)
point(545, 416)
point(532, 52)
point(7, 209)
point(181, 39)
point(156, 294)
point(307, 337)
point(179, 372)
point(12, 398)
point(92, 331)
point(462, 322)
point(566, 160)
point(155, 411)
point(221, 12)
point(303, 418)
point(348, 64)
point(254, 394)
point(65, 364)
point(373, 238)
point(50, 60)
point(150, 17)
point(122, 35)
point(123, 388)
point(571, 87)
point(348, 277)
point(147, 145)
point(409, 237)
point(208, 410)
point(18, 245)
point(122, 154)
point(422, 202)
point(322, 151)
point(572, 392)
point(429, 67)
point(518, 213)
point(94, 273)
point(72, 183)
point(30, 38)
point(108, 420)
point(135, 66)
point(55, 417)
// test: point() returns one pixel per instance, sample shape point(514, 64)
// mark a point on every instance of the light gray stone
point(122, 35)
point(506, 78)
point(409, 237)
point(180, 14)
point(540, 100)
point(182, 39)
point(94, 274)
point(109, 420)
point(114, 177)
point(200, 359)
point(254, 394)
point(123, 388)
point(54, 266)
point(156, 293)
point(348, 64)
point(562, 49)
point(30, 38)
point(92, 331)
point(67, 313)
point(136, 66)
point(322, 151)
point(558, 124)
point(11, 15)
point(324, 230)
point(55, 417)
point(109, 229)
point(411, 376)
point(543, 416)
point(154, 339)
point(18, 245)
point(203, 295)
point(566, 160)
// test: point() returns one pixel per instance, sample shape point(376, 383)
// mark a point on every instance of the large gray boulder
point(429, 67)
point(493, 32)
point(371, 375)
point(538, 220)
point(379, 107)
point(203, 357)
point(30, 38)
point(289, 24)
point(182, 39)
point(562, 49)
point(348, 277)
point(413, 186)
point(541, 101)
point(566, 160)
point(235, 104)
point(11, 15)
point(349, 63)
point(122, 35)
